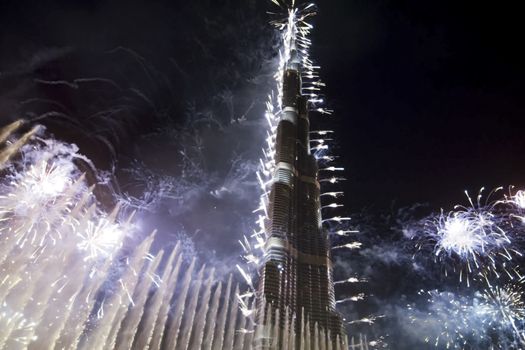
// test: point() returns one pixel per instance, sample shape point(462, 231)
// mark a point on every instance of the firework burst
point(503, 309)
point(448, 323)
point(480, 243)
point(472, 241)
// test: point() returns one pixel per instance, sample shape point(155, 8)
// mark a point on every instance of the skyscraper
point(296, 272)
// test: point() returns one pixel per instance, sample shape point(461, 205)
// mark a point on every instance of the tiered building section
point(296, 276)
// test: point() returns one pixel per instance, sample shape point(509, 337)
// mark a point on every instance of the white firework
point(503, 309)
point(100, 239)
point(469, 240)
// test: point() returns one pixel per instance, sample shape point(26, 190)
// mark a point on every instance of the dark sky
point(428, 95)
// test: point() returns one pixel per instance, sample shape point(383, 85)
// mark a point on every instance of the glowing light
point(332, 168)
point(345, 232)
point(100, 239)
point(352, 245)
point(448, 323)
point(332, 205)
point(472, 236)
point(460, 235)
point(246, 277)
point(22, 329)
point(47, 181)
point(358, 297)
point(320, 147)
point(461, 322)
point(504, 309)
point(352, 280)
point(333, 194)
point(326, 158)
point(333, 180)
point(367, 320)
point(337, 219)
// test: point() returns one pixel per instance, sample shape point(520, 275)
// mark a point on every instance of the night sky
point(428, 99)
point(428, 95)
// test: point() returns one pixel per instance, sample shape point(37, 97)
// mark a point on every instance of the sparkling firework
point(517, 199)
point(480, 243)
point(516, 202)
point(503, 309)
point(471, 241)
point(449, 323)
point(492, 319)
point(17, 326)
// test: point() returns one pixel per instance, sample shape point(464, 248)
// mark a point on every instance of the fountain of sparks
point(69, 278)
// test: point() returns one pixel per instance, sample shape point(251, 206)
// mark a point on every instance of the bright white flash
point(345, 232)
point(333, 180)
point(100, 239)
point(352, 245)
point(471, 241)
point(332, 194)
point(460, 235)
point(46, 180)
point(337, 219)
point(332, 168)
point(41, 183)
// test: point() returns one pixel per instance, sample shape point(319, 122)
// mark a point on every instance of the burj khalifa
point(296, 271)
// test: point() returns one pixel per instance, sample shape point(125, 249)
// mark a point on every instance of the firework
point(503, 309)
point(352, 245)
point(367, 320)
point(14, 323)
point(472, 241)
point(517, 199)
point(450, 321)
point(101, 238)
point(478, 242)
point(491, 319)
point(67, 283)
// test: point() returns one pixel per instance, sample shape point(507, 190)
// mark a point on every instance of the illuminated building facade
point(296, 272)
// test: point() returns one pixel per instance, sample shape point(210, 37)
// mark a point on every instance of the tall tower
point(296, 271)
